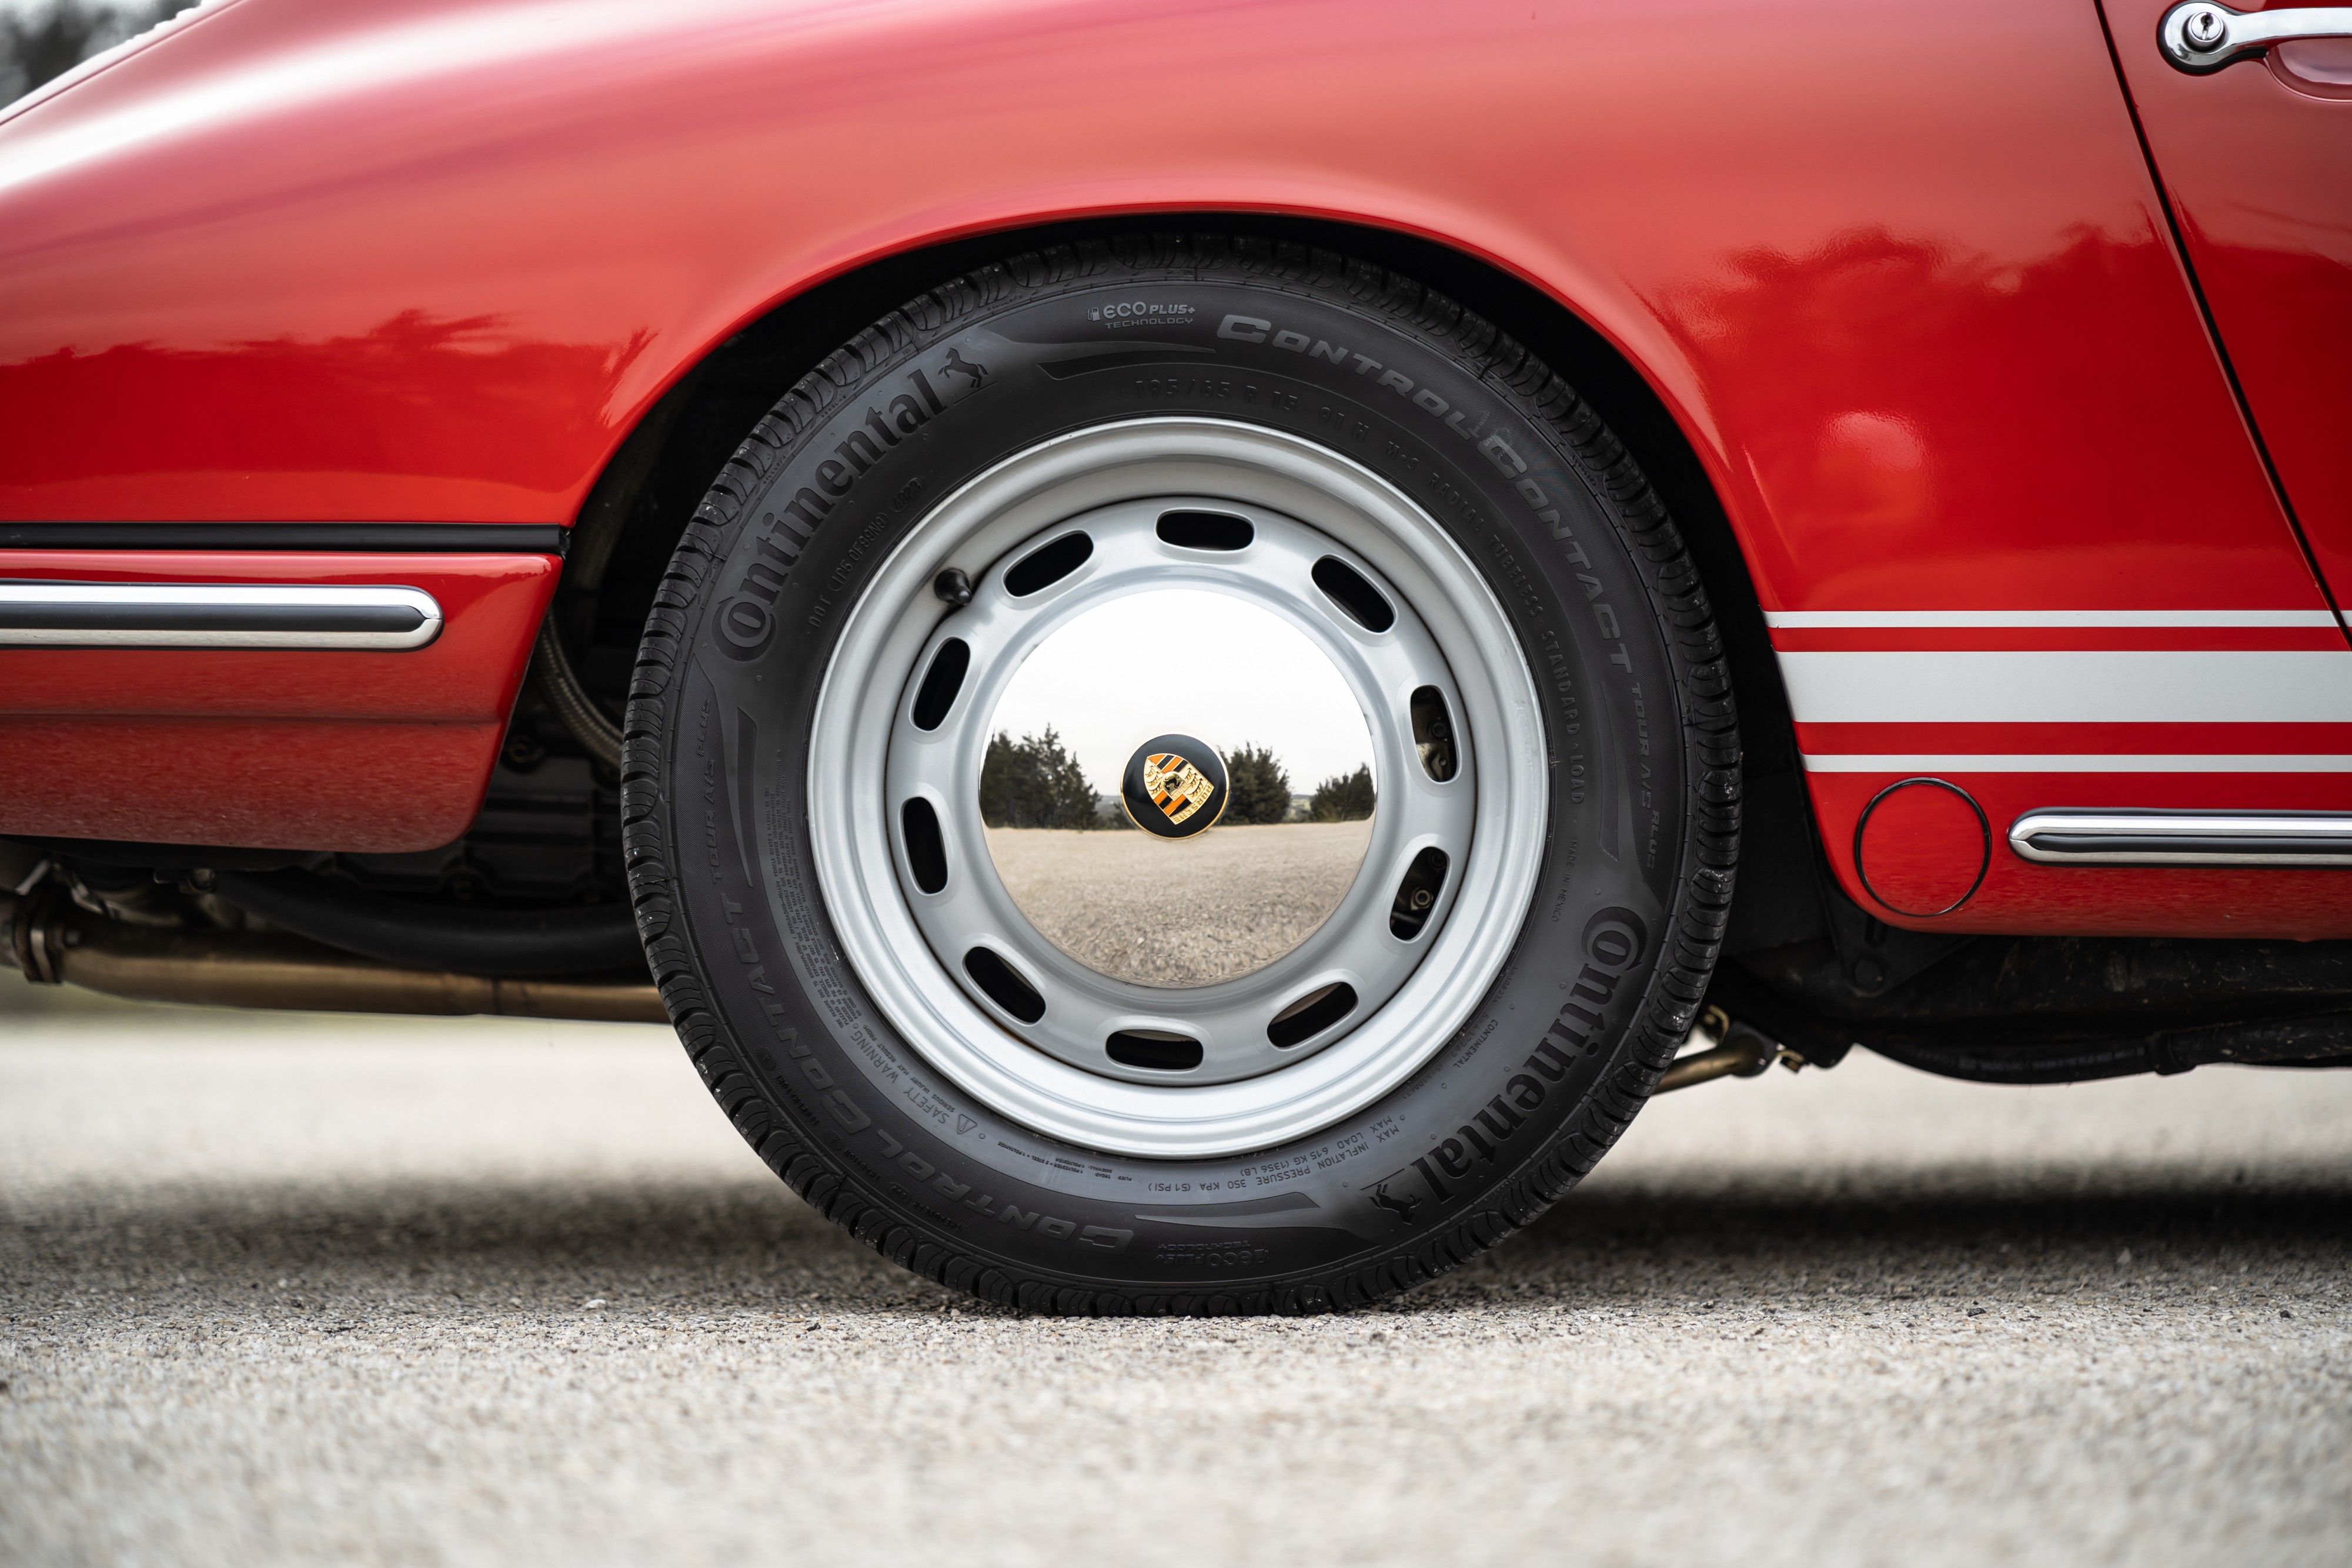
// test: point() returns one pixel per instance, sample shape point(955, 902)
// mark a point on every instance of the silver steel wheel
point(1276, 1032)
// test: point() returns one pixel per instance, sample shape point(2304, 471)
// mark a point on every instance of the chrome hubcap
point(1222, 954)
point(1176, 598)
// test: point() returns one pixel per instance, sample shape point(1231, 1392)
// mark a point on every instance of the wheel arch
point(647, 490)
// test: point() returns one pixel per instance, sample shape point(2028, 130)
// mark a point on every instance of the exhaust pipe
point(56, 944)
point(1741, 1052)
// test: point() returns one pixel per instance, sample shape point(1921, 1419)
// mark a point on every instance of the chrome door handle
point(2201, 36)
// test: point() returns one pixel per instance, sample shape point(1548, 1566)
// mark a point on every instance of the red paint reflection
point(232, 431)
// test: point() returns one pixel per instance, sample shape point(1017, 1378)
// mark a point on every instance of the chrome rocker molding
point(215, 615)
point(2184, 837)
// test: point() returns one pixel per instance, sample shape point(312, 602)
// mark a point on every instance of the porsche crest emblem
point(1174, 787)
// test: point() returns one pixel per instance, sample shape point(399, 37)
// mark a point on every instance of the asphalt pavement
point(302, 1290)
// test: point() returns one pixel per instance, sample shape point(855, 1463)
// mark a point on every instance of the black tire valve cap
point(954, 586)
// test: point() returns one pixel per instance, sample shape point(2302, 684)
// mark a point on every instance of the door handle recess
point(2199, 38)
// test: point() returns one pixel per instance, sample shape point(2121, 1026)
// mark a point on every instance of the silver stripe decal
point(2110, 687)
point(1914, 620)
point(2184, 837)
point(2055, 762)
point(215, 615)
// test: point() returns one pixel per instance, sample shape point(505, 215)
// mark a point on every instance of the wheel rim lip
point(851, 838)
point(1350, 946)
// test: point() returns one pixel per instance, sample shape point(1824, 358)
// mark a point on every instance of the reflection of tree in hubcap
point(1035, 782)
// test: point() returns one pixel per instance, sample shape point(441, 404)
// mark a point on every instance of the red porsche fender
point(1910, 296)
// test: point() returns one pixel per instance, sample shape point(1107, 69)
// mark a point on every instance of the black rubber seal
point(373, 539)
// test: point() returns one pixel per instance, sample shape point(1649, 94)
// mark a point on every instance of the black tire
point(1629, 905)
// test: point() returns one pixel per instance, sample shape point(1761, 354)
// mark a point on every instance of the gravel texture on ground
point(1183, 912)
point(303, 1290)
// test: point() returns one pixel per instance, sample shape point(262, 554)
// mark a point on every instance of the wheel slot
point(1003, 984)
point(1311, 1014)
point(942, 681)
point(1354, 594)
point(1205, 530)
point(1047, 565)
point(927, 851)
point(1416, 896)
point(1155, 1051)
point(1432, 733)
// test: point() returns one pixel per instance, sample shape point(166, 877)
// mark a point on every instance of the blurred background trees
point(1345, 798)
point(1261, 789)
point(1037, 783)
point(1033, 782)
point(42, 40)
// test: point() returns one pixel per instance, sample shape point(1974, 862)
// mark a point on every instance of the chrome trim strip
point(215, 615)
point(2184, 837)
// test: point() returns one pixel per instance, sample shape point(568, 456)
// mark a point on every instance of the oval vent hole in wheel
point(1154, 1050)
point(927, 853)
point(1349, 590)
point(1046, 566)
point(1205, 530)
point(1006, 988)
point(945, 678)
point(1311, 1014)
point(1416, 896)
point(1432, 733)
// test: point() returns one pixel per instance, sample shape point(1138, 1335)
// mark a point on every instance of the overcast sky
point(1192, 662)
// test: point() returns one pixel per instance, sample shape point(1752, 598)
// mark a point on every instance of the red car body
point(1962, 310)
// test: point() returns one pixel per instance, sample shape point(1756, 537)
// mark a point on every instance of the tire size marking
point(1217, 389)
point(1212, 1254)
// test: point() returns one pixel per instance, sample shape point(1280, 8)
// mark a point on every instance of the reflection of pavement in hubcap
point(1223, 905)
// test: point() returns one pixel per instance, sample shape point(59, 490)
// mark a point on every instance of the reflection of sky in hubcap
point(1196, 908)
point(1189, 660)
